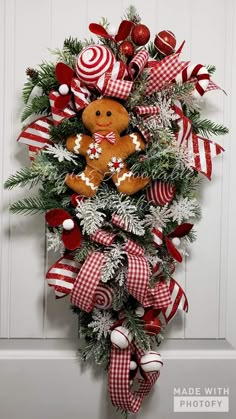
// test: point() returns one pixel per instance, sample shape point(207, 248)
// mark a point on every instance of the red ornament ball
point(140, 34)
point(126, 48)
point(152, 327)
point(165, 42)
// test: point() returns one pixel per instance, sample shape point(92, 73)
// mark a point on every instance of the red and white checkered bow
point(112, 83)
point(110, 137)
point(121, 393)
point(163, 72)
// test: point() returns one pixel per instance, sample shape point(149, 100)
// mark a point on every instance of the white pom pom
point(64, 89)
point(133, 365)
point(121, 337)
point(139, 311)
point(151, 362)
point(176, 241)
point(68, 224)
point(112, 30)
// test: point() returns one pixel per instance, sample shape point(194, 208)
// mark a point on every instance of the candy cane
point(198, 72)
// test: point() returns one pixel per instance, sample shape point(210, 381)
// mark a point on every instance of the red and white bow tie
point(100, 137)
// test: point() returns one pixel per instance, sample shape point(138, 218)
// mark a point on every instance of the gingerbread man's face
point(105, 115)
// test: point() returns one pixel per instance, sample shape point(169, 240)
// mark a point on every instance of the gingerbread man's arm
point(131, 143)
point(78, 143)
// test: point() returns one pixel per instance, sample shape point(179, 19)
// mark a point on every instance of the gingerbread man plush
point(105, 150)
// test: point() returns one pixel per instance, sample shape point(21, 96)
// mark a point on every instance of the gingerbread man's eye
point(109, 113)
point(98, 113)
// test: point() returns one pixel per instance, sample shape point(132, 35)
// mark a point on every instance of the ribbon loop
point(119, 381)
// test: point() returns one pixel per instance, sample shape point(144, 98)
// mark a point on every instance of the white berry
point(133, 365)
point(63, 89)
point(139, 311)
point(176, 241)
point(68, 224)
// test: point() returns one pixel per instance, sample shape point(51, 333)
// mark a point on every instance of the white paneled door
point(39, 373)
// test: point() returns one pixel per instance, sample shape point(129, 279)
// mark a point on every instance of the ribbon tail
point(179, 301)
point(82, 295)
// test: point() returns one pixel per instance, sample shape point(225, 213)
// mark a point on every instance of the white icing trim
point(87, 182)
point(77, 143)
point(123, 177)
point(136, 142)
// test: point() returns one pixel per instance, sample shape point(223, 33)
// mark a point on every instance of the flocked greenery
point(162, 160)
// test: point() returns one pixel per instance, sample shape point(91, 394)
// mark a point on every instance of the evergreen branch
point(206, 128)
point(73, 45)
point(39, 105)
point(28, 206)
point(47, 78)
point(211, 69)
point(27, 89)
point(135, 326)
point(67, 127)
point(22, 177)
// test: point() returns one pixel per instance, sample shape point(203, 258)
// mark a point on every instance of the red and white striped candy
point(160, 193)
point(103, 297)
point(62, 275)
point(198, 72)
point(93, 62)
point(151, 362)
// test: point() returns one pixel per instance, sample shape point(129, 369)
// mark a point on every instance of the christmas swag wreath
point(117, 147)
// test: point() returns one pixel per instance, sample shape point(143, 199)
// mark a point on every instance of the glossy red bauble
point(126, 48)
point(140, 34)
point(165, 42)
point(152, 327)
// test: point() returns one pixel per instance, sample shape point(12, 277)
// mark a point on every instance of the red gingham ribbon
point(147, 110)
point(138, 271)
point(159, 296)
point(112, 83)
point(163, 72)
point(87, 281)
point(119, 381)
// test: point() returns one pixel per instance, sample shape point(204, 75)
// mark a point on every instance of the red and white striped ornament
point(160, 193)
point(93, 62)
point(103, 297)
point(62, 275)
point(121, 337)
point(36, 135)
point(151, 362)
point(195, 72)
point(165, 42)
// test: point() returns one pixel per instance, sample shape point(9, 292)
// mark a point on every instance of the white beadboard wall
point(27, 29)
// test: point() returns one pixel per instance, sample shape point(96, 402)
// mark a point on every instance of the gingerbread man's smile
point(104, 125)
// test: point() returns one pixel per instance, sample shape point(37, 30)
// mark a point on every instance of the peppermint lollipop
point(93, 62)
point(103, 297)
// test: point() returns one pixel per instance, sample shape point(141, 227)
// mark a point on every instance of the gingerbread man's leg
point(85, 183)
point(127, 183)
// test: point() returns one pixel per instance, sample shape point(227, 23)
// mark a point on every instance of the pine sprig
point(22, 177)
point(73, 45)
point(207, 128)
point(135, 326)
point(39, 105)
point(27, 89)
point(29, 206)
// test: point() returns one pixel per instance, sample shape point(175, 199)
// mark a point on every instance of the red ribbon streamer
point(119, 379)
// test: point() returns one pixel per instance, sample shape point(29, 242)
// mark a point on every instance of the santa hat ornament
point(71, 235)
